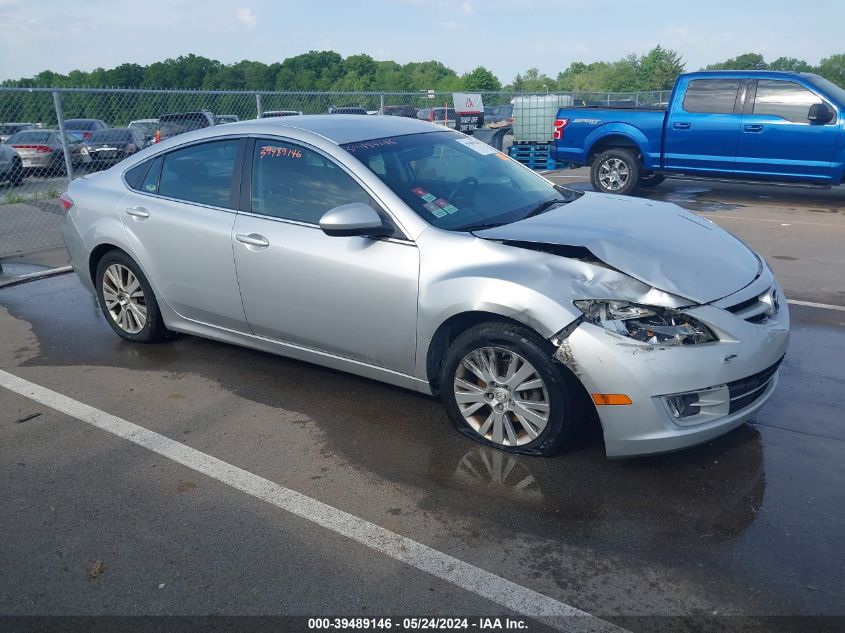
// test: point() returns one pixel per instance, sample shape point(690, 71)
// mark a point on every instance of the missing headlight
point(647, 324)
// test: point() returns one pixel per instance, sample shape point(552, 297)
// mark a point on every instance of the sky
point(505, 36)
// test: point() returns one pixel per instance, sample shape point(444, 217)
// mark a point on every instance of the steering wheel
point(466, 182)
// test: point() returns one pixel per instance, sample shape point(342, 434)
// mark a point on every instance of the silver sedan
point(400, 251)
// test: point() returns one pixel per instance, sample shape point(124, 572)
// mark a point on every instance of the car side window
point(200, 173)
point(785, 99)
point(150, 183)
point(294, 183)
point(135, 175)
point(711, 96)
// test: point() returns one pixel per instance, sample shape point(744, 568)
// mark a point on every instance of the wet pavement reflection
point(760, 508)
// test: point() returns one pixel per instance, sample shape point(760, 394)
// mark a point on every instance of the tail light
point(431, 117)
point(41, 149)
point(510, 120)
point(66, 201)
point(557, 134)
point(86, 136)
point(158, 136)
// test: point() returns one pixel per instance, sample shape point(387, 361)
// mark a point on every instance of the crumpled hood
point(658, 243)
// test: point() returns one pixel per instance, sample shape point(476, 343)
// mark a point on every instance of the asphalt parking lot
point(100, 518)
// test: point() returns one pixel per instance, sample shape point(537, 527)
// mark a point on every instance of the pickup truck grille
point(745, 391)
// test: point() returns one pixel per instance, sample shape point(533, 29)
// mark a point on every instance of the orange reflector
point(611, 398)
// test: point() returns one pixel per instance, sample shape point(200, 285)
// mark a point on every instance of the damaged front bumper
point(682, 395)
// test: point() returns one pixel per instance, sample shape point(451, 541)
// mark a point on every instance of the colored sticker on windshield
point(436, 211)
point(477, 146)
point(273, 150)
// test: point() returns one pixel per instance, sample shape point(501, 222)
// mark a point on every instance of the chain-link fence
point(51, 135)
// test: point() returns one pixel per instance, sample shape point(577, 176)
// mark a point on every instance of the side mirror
point(352, 219)
point(820, 113)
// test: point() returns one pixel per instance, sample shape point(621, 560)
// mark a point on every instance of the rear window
point(111, 136)
point(30, 137)
point(173, 124)
point(81, 124)
point(711, 96)
point(11, 129)
point(147, 128)
point(349, 110)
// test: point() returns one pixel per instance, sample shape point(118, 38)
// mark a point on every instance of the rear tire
point(127, 300)
point(648, 182)
point(615, 171)
point(501, 387)
point(16, 174)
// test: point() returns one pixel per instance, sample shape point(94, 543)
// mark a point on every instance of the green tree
point(748, 61)
point(833, 68)
point(658, 69)
point(790, 63)
point(480, 79)
point(533, 81)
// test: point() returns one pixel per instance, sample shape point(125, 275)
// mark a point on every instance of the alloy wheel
point(501, 396)
point(614, 174)
point(124, 298)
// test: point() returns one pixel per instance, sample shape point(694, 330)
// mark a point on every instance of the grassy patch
point(16, 198)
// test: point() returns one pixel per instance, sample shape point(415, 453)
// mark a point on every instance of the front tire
point(127, 300)
point(615, 171)
point(501, 388)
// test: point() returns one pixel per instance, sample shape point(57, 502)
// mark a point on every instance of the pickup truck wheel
point(651, 181)
point(615, 171)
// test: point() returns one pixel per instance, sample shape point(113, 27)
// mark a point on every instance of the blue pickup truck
point(738, 125)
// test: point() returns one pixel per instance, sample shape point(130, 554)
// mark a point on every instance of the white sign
point(467, 103)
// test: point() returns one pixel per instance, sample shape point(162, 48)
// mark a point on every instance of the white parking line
point(510, 595)
point(813, 304)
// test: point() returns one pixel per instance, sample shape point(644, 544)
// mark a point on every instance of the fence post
point(381, 104)
point(258, 108)
point(60, 116)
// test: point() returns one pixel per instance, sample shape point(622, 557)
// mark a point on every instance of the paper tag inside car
point(477, 146)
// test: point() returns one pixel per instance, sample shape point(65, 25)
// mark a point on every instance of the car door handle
point(681, 126)
point(253, 239)
point(753, 128)
point(137, 212)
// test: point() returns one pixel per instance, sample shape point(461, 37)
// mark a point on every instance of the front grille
point(739, 307)
point(757, 309)
point(745, 391)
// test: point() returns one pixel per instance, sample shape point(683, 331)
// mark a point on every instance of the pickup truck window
point(785, 99)
point(711, 96)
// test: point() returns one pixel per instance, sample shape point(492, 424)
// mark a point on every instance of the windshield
point(30, 137)
point(456, 182)
point(830, 88)
point(111, 136)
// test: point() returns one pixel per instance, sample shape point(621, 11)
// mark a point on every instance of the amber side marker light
point(611, 398)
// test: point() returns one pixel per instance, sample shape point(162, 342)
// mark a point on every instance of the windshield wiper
point(482, 226)
point(543, 207)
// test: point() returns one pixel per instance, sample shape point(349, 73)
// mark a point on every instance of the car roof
point(340, 128)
